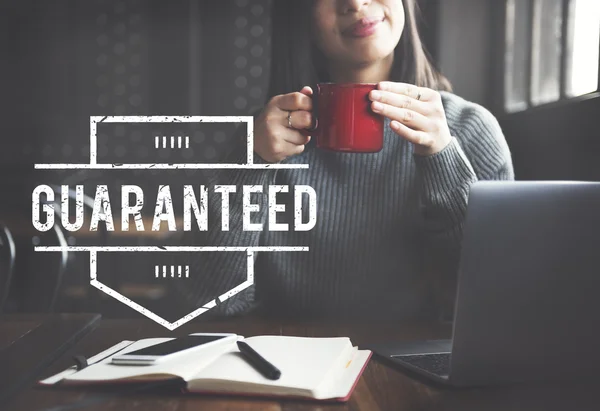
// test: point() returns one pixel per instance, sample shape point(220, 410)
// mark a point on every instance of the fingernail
point(394, 124)
point(377, 106)
point(376, 95)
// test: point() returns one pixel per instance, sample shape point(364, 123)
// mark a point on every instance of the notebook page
point(183, 366)
point(304, 362)
point(340, 386)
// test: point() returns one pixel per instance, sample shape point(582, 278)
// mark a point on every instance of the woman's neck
point(368, 73)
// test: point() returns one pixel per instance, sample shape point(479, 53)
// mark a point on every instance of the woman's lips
point(364, 27)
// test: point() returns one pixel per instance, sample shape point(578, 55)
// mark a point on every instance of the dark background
point(62, 61)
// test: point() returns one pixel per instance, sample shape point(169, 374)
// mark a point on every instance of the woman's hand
point(277, 132)
point(416, 114)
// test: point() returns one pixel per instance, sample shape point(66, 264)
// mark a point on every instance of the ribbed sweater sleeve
point(215, 273)
point(478, 151)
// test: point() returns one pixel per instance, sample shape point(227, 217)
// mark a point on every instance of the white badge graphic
point(178, 271)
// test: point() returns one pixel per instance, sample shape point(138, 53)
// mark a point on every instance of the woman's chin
point(370, 55)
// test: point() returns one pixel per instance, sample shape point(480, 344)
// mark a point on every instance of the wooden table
point(380, 389)
point(30, 343)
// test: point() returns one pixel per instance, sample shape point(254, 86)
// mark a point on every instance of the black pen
point(263, 366)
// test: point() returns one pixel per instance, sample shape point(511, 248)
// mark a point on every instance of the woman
point(383, 217)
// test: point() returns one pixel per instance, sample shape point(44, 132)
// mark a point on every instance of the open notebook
point(317, 368)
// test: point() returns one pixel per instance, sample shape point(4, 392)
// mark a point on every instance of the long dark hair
point(295, 62)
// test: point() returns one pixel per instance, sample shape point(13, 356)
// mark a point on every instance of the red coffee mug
point(344, 119)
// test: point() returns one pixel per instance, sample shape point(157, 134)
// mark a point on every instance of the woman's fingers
point(300, 119)
point(416, 137)
point(307, 91)
point(410, 90)
point(408, 117)
point(294, 101)
point(400, 101)
point(297, 108)
point(294, 137)
point(280, 130)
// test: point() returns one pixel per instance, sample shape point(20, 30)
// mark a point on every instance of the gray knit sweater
point(388, 228)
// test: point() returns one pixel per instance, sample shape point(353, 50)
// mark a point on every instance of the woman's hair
point(296, 62)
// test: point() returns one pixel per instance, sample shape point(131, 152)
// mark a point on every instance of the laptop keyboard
point(438, 364)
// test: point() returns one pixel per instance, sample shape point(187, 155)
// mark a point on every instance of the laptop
point(528, 301)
